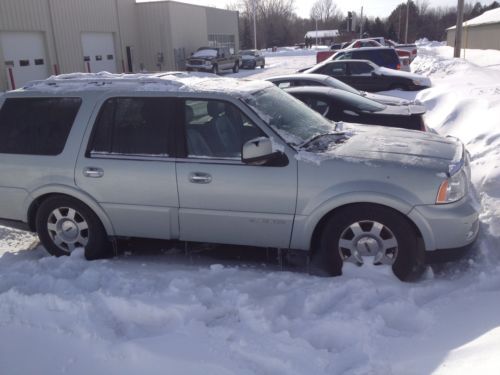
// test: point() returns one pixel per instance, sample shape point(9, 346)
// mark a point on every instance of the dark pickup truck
point(213, 59)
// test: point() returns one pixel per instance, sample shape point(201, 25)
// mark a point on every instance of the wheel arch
point(318, 229)
point(308, 228)
point(36, 197)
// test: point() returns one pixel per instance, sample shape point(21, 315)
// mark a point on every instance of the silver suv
point(88, 159)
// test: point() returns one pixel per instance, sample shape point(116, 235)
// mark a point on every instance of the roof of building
point(322, 34)
point(489, 17)
point(167, 81)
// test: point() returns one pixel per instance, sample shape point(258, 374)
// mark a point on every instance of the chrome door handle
point(93, 172)
point(200, 178)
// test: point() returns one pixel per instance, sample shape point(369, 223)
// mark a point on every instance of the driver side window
point(216, 129)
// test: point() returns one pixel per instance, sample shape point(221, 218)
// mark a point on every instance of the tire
point(215, 69)
point(375, 229)
point(236, 67)
point(64, 223)
point(254, 65)
point(263, 65)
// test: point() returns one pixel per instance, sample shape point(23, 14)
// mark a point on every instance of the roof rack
point(104, 79)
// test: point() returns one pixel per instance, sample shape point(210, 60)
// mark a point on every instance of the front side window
point(337, 69)
point(133, 126)
point(217, 129)
point(36, 126)
point(284, 84)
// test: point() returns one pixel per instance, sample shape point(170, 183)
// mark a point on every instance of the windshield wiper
point(338, 136)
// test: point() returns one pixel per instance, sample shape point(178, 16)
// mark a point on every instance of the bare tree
point(325, 11)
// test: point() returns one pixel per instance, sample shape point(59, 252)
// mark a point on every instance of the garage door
point(25, 57)
point(99, 52)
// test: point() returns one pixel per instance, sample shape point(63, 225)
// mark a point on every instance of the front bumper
point(248, 64)
point(199, 68)
point(448, 229)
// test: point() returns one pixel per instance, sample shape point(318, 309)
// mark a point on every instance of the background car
point(382, 56)
point(367, 76)
point(251, 58)
point(338, 105)
point(361, 43)
point(300, 79)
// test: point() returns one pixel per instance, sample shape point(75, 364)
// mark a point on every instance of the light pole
point(458, 29)
point(316, 19)
point(254, 25)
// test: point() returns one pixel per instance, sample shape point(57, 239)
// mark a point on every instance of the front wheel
point(369, 232)
point(215, 69)
point(64, 224)
point(236, 67)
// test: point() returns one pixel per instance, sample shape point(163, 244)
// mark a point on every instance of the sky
point(371, 8)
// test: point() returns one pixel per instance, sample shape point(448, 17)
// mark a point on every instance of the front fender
point(304, 225)
point(74, 193)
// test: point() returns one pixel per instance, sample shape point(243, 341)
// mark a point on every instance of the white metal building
point(39, 38)
point(325, 37)
point(482, 32)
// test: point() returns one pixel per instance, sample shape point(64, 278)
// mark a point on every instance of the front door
point(221, 199)
point(127, 167)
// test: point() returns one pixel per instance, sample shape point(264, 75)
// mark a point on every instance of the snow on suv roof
point(167, 81)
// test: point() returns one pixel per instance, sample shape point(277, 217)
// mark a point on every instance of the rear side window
point(133, 126)
point(36, 126)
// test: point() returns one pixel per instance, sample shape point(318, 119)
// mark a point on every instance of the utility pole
point(316, 19)
point(407, 20)
point(458, 30)
point(361, 25)
point(399, 25)
point(254, 26)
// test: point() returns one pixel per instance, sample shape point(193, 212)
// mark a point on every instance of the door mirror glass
point(259, 151)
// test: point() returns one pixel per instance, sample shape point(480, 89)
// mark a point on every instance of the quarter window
point(36, 126)
point(133, 126)
point(360, 68)
point(217, 129)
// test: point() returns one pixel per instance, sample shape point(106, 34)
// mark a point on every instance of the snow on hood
point(398, 73)
point(205, 53)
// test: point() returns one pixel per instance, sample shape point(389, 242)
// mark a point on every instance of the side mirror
point(259, 151)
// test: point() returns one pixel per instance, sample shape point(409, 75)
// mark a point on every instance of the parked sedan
point(338, 105)
point(322, 80)
point(251, 58)
point(368, 76)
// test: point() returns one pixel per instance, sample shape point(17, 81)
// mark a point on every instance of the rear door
point(128, 168)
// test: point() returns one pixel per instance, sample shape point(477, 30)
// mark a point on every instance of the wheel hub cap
point(68, 229)
point(368, 238)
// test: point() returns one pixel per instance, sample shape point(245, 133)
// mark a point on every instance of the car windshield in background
point(248, 53)
point(291, 118)
point(205, 53)
point(341, 85)
point(359, 102)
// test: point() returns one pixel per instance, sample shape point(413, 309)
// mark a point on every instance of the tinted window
point(133, 126)
point(217, 129)
point(358, 68)
point(36, 126)
point(336, 69)
point(316, 102)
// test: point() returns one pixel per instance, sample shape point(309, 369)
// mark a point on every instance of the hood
point(407, 147)
point(386, 99)
point(398, 73)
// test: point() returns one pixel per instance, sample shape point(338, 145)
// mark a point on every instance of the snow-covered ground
point(170, 313)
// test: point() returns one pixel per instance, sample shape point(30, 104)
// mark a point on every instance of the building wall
point(167, 27)
point(154, 36)
point(187, 37)
point(478, 37)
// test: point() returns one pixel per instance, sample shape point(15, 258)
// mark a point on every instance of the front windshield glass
point(341, 85)
point(248, 53)
point(205, 52)
point(291, 118)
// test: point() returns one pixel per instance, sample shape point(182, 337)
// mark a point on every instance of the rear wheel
point(64, 224)
point(368, 232)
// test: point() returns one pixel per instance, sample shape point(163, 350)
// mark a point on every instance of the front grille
point(196, 62)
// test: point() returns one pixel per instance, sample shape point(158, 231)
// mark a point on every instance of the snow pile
point(170, 313)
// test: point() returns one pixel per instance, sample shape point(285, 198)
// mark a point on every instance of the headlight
point(418, 82)
point(453, 188)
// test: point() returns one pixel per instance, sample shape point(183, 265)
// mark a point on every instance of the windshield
point(205, 52)
point(359, 102)
point(248, 53)
point(291, 118)
point(341, 85)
